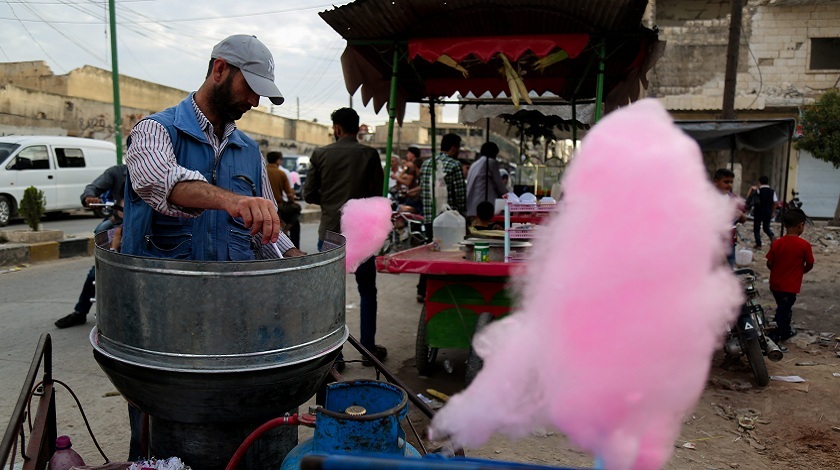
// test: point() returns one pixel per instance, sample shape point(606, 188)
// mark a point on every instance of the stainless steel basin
point(217, 345)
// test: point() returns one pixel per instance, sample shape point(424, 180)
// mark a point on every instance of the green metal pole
point(115, 78)
point(434, 158)
point(574, 122)
point(392, 115)
point(599, 91)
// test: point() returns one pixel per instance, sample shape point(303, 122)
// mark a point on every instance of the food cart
point(461, 297)
point(576, 56)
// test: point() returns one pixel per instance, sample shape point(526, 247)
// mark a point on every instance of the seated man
point(484, 217)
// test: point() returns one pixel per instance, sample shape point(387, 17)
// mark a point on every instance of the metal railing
point(42, 431)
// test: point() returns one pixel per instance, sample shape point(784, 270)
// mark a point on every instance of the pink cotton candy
point(623, 304)
point(365, 223)
point(294, 178)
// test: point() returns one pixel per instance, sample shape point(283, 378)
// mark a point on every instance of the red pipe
point(246, 444)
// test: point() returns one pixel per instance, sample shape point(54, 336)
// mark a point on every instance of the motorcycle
point(782, 206)
point(748, 336)
point(409, 228)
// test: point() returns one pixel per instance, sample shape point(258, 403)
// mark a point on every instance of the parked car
point(299, 164)
point(61, 167)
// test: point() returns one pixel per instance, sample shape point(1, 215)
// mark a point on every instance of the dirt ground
point(784, 425)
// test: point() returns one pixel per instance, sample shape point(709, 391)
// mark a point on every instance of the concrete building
point(789, 55)
point(33, 100)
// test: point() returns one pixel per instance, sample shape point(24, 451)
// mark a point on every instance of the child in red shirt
point(789, 258)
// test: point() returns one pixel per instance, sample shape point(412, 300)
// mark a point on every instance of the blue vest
point(214, 235)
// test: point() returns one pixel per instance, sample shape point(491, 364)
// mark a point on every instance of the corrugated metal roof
point(403, 19)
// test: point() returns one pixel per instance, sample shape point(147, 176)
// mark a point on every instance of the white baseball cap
point(247, 53)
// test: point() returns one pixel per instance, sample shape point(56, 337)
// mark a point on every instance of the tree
point(821, 133)
point(32, 207)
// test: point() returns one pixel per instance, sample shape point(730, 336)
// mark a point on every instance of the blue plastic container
point(358, 417)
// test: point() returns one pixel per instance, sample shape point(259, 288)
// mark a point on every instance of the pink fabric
point(365, 223)
point(486, 47)
point(612, 341)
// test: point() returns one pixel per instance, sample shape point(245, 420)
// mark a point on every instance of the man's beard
point(221, 101)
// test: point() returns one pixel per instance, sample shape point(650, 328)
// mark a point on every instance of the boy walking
point(764, 209)
point(789, 258)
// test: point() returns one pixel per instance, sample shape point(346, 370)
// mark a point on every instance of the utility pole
point(732, 51)
point(115, 81)
point(297, 102)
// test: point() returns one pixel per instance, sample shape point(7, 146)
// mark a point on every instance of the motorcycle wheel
point(424, 356)
point(756, 359)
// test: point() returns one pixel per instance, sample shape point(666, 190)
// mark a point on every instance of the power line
point(81, 46)
point(32, 36)
point(184, 20)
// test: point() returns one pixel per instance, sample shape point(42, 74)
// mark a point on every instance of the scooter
point(748, 336)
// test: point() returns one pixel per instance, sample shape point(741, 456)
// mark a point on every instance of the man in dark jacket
point(764, 209)
point(339, 172)
point(112, 183)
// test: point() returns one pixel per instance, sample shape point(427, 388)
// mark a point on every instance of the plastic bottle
point(64, 457)
point(449, 228)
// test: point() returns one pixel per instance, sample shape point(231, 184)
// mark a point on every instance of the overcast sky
point(169, 42)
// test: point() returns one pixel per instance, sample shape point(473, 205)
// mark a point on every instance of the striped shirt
point(155, 171)
point(456, 187)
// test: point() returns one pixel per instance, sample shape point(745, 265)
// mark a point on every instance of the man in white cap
point(199, 188)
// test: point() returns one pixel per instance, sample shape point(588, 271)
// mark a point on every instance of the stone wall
point(773, 64)
point(80, 103)
point(95, 84)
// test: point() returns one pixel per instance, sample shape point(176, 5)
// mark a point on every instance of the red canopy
point(486, 47)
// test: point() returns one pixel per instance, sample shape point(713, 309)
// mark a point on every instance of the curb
point(12, 254)
point(310, 215)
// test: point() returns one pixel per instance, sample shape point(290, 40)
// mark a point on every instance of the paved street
point(34, 297)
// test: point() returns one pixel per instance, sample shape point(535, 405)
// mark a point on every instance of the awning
point(484, 48)
point(755, 136)
point(416, 33)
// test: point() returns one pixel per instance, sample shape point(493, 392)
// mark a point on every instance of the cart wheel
point(474, 362)
point(424, 356)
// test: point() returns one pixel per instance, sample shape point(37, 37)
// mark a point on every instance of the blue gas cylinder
point(361, 416)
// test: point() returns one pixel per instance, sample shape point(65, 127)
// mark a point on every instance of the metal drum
point(207, 347)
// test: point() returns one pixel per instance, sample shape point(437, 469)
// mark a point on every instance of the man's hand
point(293, 252)
point(258, 214)
point(91, 200)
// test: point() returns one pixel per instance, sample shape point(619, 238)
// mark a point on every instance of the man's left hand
point(293, 252)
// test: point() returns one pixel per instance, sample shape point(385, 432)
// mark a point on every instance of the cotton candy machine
point(211, 350)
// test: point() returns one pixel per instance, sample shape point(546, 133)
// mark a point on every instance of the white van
point(300, 164)
point(61, 167)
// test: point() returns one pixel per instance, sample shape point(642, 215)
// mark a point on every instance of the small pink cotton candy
point(365, 223)
point(623, 304)
point(294, 178)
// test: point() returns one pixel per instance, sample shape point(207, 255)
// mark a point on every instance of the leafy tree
point(32, 207)
point(821, 133)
